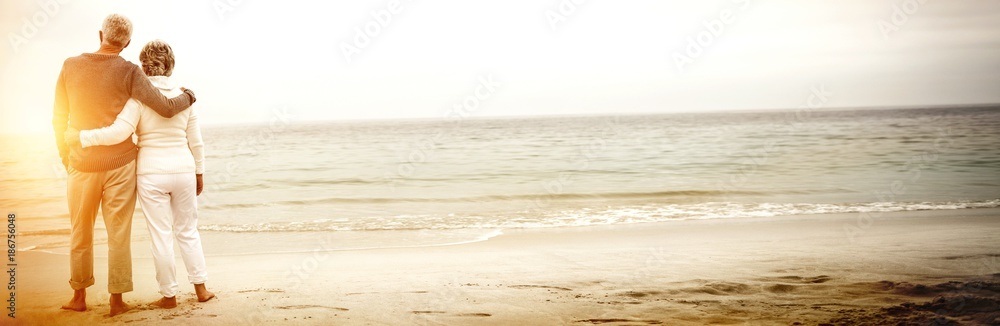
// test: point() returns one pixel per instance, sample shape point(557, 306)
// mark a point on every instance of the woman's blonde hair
point(157, 58)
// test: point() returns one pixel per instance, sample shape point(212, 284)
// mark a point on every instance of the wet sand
point(819, 269)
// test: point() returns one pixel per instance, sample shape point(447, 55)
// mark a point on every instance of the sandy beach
point(815, 269)
point(564, 162)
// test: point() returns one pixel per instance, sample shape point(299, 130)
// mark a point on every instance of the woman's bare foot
point(166, 303)
point(203, 293)
point(118, 306)
point(78, 302)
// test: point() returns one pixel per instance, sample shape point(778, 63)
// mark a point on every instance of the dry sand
point(911, 266)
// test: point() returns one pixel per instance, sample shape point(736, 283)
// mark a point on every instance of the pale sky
point(246, 59)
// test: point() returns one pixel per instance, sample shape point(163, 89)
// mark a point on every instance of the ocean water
point(375, 184)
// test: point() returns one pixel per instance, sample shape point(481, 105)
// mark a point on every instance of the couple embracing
point(101, 100)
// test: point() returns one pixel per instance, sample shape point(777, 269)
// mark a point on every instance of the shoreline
point(858, 227)
point(724, 271)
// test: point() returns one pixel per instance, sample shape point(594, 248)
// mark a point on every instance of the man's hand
point(200, 184)
point(189, 93)
point(72, 137)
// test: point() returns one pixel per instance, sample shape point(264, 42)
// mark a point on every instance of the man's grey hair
point(117, 30)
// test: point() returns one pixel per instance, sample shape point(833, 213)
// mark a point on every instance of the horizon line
point(549, 116)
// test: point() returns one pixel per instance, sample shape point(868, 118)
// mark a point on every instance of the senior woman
point(169, 174)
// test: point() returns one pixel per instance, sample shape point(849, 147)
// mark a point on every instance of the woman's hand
point(72, 137)
point(200, 184)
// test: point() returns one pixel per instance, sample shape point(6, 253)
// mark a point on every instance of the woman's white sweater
point(165, 145)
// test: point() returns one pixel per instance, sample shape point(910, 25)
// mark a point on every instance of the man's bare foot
point(203, 293)
point(118, 306)
point(166, 303)
point(78, 302)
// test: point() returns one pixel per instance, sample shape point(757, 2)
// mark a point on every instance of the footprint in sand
point(529, 286)
point(262, 290)
point(475, 314)
point(619, 320)
point(780, 288)
point(434, 312)
point(308, 306)
point(135, 320)
point(639, 294)
point(801, 279)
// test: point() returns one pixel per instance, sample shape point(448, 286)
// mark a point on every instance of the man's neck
point(109, 50)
